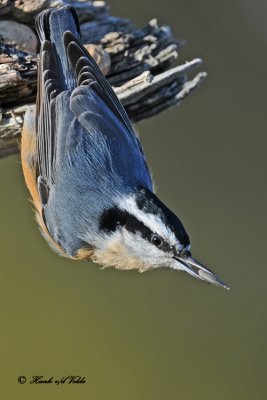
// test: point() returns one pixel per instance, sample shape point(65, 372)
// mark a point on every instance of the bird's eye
point(156, 240)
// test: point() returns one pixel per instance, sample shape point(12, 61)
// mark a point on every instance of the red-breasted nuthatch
point(85, 168)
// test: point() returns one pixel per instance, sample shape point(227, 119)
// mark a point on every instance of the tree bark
point(139, 65)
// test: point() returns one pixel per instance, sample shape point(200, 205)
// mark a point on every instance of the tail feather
point(50, 26)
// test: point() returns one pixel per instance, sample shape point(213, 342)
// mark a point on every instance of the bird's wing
point(93, 103)
point(98, 109)
point(55, 82)
point(87, 73)
point(48, 89)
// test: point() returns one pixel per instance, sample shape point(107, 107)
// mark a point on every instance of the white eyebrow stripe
point(153, 222)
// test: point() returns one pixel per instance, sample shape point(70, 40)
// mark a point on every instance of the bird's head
point(141, 233)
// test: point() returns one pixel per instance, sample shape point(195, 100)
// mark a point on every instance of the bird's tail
point(51, 25)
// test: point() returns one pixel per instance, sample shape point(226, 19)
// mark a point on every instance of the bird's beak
point(187, 263)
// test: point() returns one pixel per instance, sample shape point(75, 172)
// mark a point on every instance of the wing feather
point(86, 69)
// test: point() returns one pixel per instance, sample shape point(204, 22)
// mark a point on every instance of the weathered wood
point(18, 75)
point(139, 66)
point(142, 97)
point(26, 10)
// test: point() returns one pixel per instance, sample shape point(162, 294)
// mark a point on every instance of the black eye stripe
point(112, 218)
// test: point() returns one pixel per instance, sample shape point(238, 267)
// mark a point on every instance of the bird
point(86, 170)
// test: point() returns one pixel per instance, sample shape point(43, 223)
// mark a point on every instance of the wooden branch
point(26, 10)
point(137, 62)
point(148, 94)
point(18, 75)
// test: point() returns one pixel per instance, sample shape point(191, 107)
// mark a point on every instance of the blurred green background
point(159, 335)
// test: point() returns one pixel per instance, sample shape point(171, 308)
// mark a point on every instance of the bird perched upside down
point(85, 168)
